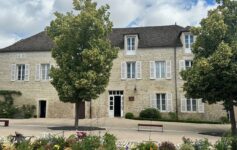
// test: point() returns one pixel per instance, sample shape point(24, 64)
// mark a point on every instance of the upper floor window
point(188, 41)
point(160, 69)
point(131, 43)
point(20, 72)
point(42, 72)
point(45, 68)
point(131, 70)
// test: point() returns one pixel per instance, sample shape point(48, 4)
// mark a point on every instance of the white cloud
point(23, 18)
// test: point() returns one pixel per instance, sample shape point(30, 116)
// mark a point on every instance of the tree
point(213, 76)
point(82, 51)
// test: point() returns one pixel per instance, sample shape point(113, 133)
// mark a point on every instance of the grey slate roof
point(149, 37)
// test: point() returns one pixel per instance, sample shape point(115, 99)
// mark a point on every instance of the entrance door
point(117, 106)
point(82, 110)
point(42, 108)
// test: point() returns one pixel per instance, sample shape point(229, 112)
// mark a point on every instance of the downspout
point(175, 81)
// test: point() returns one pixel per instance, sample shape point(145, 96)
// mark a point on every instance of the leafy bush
point(172, 116)
point(223, 144)
point(28, 111)
point(146, 146)
point(24, 145)
point(90, 143)
point(150, 113)
point(109, 142)
point(202, 144)
point(167, 146)
point(7, 110)
point(186, 146)
point(224, 120)
point(129, 115)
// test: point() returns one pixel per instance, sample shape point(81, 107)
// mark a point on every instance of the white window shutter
point(200, 106)
point(139, 70)
point(13, 72)
point(152, 70)
point(136, 43)
point(169, 106)
point(37, 72)
point(153, 101)
point(123, 70)
point(168, 70)
point(181, 67)
point(183, 104)
point(125, 44)
point(27, 72)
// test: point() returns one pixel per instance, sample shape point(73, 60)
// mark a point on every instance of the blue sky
point(23, 18)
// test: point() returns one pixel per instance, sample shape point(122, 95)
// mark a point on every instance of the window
point(188, 64)
point(160, 69)
point(131, 71)
point(21, 72)
point(131, 43)
point(188, 41)
point(161, 101)
point(45, 68)
point(191, 105)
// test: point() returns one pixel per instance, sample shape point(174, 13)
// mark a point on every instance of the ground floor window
point(161, 101)
point(191, 105)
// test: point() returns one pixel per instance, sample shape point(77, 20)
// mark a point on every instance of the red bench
point(149, 125)
point(6, 122)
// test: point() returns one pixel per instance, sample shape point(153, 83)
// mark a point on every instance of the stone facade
point(133, 95)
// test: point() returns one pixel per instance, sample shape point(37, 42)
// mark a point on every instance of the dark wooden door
point(82, 110)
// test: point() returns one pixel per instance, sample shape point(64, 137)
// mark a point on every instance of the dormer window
point(130, 44)
point(189, 39)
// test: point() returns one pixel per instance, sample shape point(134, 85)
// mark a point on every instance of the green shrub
point(186, 146)
point(28, 110)
point(150, 113)
point(224, 120)
point(172, 116)
point(129, 115)
point(167, 146)
point(24, 145)
point(90, 143)
point(109, 141)
point(146, 146)
point(202, 144)
point(223, 144)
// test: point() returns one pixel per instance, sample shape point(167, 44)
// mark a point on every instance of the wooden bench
point(6, 122)
point(149, 125)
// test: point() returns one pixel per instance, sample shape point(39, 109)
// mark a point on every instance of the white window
point(20, 72)
point(45, 68)
point(192, 105)
point(160, 69)
point(42, 72)
point(131, 44)
point(188, 41)
point(188, 64)
point(161, 101)
point(131, 70)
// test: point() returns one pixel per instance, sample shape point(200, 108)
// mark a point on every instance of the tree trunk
point(77, 105)
point(232, 120)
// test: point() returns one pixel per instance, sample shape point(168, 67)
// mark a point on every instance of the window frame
point(130, 44)
point(161, 102)
point(160, 69)
point(192, 105)
point(21, 76)
point(130, 71)
point(190, 64)
point(188, 41)
point(45, 76)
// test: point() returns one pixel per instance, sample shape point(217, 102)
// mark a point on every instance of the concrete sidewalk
point(123, 129)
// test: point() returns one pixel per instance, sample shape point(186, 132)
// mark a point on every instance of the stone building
point(145, 74)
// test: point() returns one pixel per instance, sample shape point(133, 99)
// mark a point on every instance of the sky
point(23, 18)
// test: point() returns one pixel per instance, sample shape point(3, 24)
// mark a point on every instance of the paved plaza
point(123, 129)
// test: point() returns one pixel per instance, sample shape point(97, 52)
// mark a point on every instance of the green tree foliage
point(82, 51)
point(213, 76)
